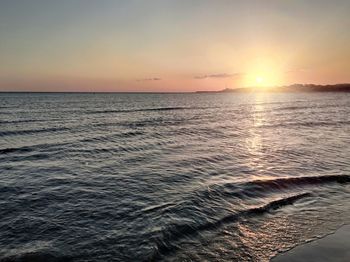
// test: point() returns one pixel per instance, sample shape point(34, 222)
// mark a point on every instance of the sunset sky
point(163, 45)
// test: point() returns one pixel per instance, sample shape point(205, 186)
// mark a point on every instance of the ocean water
point(170, 177)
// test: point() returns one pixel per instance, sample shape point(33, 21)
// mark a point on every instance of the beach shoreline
point(332, 247)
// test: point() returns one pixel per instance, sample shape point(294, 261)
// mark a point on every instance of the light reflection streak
point(257, 152)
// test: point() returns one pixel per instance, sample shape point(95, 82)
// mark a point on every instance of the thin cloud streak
point(149, 79)
point(222, 75)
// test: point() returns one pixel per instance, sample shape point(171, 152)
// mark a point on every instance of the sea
point(170, 177)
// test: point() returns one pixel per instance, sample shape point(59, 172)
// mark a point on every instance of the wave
point(168, 108)
point(32, 131)
point(302, 107)
point(260, 188)
point(287, 182)
point(257, 188)
point(147, 110)
point(24, 149)
point(20, 121)
point(307, 124)
point(73, 145)
point(34, 147)
point(162, 207)
point(129, 134)
point(35, 256)
point(172, 233)
point(273, 205)
point(34, 157)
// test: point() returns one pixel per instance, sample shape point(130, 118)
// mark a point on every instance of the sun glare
point(263, 73)
point(259, 80)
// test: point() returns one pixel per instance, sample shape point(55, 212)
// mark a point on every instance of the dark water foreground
point(142, 177)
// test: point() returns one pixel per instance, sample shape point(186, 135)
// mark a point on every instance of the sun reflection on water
point(257, 150)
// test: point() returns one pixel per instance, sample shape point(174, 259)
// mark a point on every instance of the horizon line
point(168, 92)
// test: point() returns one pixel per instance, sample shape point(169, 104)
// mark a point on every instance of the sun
point(259, 80)
point(263, 78)
point(263, 73)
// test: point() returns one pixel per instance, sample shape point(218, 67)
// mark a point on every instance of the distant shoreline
point(281, 89)
point(89, 92)
point(290, 88)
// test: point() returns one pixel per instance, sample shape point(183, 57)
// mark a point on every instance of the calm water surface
point(170, 177)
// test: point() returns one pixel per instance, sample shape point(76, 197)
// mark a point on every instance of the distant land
point(290, 88)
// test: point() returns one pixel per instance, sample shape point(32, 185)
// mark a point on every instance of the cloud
point(222, 75)
point(149, 79)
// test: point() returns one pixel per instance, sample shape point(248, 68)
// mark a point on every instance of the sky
point(171, 46)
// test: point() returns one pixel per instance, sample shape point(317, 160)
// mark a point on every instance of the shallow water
point(139, 177)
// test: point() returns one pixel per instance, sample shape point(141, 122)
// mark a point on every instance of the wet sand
point(334, 247)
